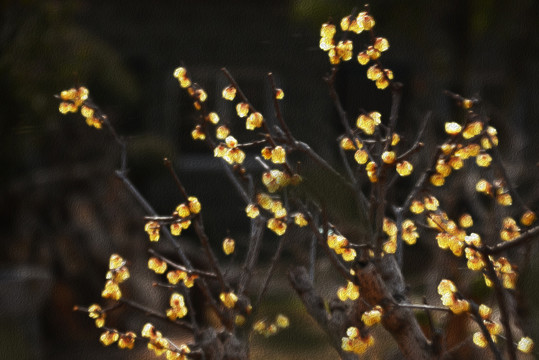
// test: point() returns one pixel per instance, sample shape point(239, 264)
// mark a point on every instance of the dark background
point(62, 211)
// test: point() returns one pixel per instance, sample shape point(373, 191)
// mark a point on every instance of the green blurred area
point(63, 211)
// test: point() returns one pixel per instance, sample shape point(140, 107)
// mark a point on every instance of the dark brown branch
point(255, 243)
point(385, 290)
point(334, 324)
point(199, 229)
point(181, 267)
point(269, 274)
point(502, 304)
point(520, 240)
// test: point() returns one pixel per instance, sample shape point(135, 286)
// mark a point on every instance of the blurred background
point(63, 212)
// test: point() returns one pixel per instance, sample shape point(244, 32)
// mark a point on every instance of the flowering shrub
point(375, 158)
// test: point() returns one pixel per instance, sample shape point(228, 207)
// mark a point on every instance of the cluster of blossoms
point(408, 233)
point(351, 291)
point(117, 274)
point(229, 299)
point(159, 344)
point(177, 307)
point(268, 329)
point(504, 271)
point(229, 151)
point(229, 245)
point(492, 327)
point(277, 223)
point(184, 212)
point(75, 99)
point(341, 246)
point(356, 342)
point(159, 266)
point(470, 141)
point(343, 50)
point(181, 219)
point(228, 148)
point(373, 316)
point(368, 124)
point(125, 340)
point(450, 297)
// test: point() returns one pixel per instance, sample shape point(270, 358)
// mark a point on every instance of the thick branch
point(334, 324)
point(399, 321)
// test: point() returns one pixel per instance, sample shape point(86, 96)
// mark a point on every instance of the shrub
point(284, 201)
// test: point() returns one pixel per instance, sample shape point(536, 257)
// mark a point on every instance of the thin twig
point(520, 240)
point(277, 107)
point(151, 312)
point(181, 267)
point(273, 265)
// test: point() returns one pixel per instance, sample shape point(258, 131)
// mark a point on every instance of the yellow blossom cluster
point(343, 49)
point(157, 265)
point(492, 327)
point(275, 180)
point(299, 219)
point(351, 291)
point(374, 51)
point(381, 77)
point(450, 298)
point(278, 223)
point(229, 93)
point(268, 329)
point(175, 276)
point(73, 99)
point(160, 345)
point(510, 229)
point(228, 299)
point(362, 22)
point(408, 232)
point(525, 345)
point(229, 151)
point(252, 211)
point(95, 312)
point(117, 274)
point(183, 212)
point(390, 229)
point(528, 218)
point(125, 340)
point(368, 122)
point(454, 154)
point(496, 189)
point(504, 271)
point(277, 155)
point(372, 171)
point(450, 236)
point(355, 342)
point(229, 245)
point(180, 73)
point(373, 316)
point(152, 229)
point(341, 246)
point(474, 257)
point(254, 121)
point(177, 307)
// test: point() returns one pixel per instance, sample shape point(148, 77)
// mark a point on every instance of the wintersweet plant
point(373, 292)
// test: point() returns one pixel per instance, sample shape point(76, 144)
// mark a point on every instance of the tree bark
point(382, 284)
